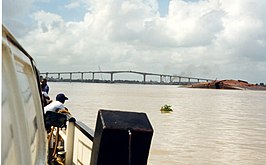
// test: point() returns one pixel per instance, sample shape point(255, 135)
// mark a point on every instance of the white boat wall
point(23, 132)
point(30, 137)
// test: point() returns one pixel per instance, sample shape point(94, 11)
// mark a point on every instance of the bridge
point(163, 78)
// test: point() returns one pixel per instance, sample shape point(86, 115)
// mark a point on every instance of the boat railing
point(79, 143)
point(69, 140)
point(120, 138)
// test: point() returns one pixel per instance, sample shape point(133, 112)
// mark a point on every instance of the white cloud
point(244, 33)
point(187, 20)
point(47, 22)
point(224, 39)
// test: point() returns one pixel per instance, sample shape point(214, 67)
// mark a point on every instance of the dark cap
point(61, 97)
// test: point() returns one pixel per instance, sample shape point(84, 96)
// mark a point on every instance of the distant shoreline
point(119, 81)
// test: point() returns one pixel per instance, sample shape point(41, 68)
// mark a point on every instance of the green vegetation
point(166, 108)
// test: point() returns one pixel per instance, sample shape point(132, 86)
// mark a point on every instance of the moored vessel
point(227, 84)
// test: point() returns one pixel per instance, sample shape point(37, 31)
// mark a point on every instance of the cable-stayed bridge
point(161, 78)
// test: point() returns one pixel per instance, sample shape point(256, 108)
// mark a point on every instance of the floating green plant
point(166, 108)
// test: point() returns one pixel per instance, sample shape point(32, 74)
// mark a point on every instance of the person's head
point(61, 98)
point(43, 84)
point(44, 81)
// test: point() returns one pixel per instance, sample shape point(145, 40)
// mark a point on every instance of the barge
point(227, 84)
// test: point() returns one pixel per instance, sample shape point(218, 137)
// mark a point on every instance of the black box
point(121, 138)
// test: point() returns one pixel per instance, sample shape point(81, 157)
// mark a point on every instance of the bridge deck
point(172, 79)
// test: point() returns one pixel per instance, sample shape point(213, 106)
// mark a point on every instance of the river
point(206, 126)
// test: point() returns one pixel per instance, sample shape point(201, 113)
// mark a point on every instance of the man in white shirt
point(57, 105)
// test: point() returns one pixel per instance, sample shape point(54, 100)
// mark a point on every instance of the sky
point(216, 39)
